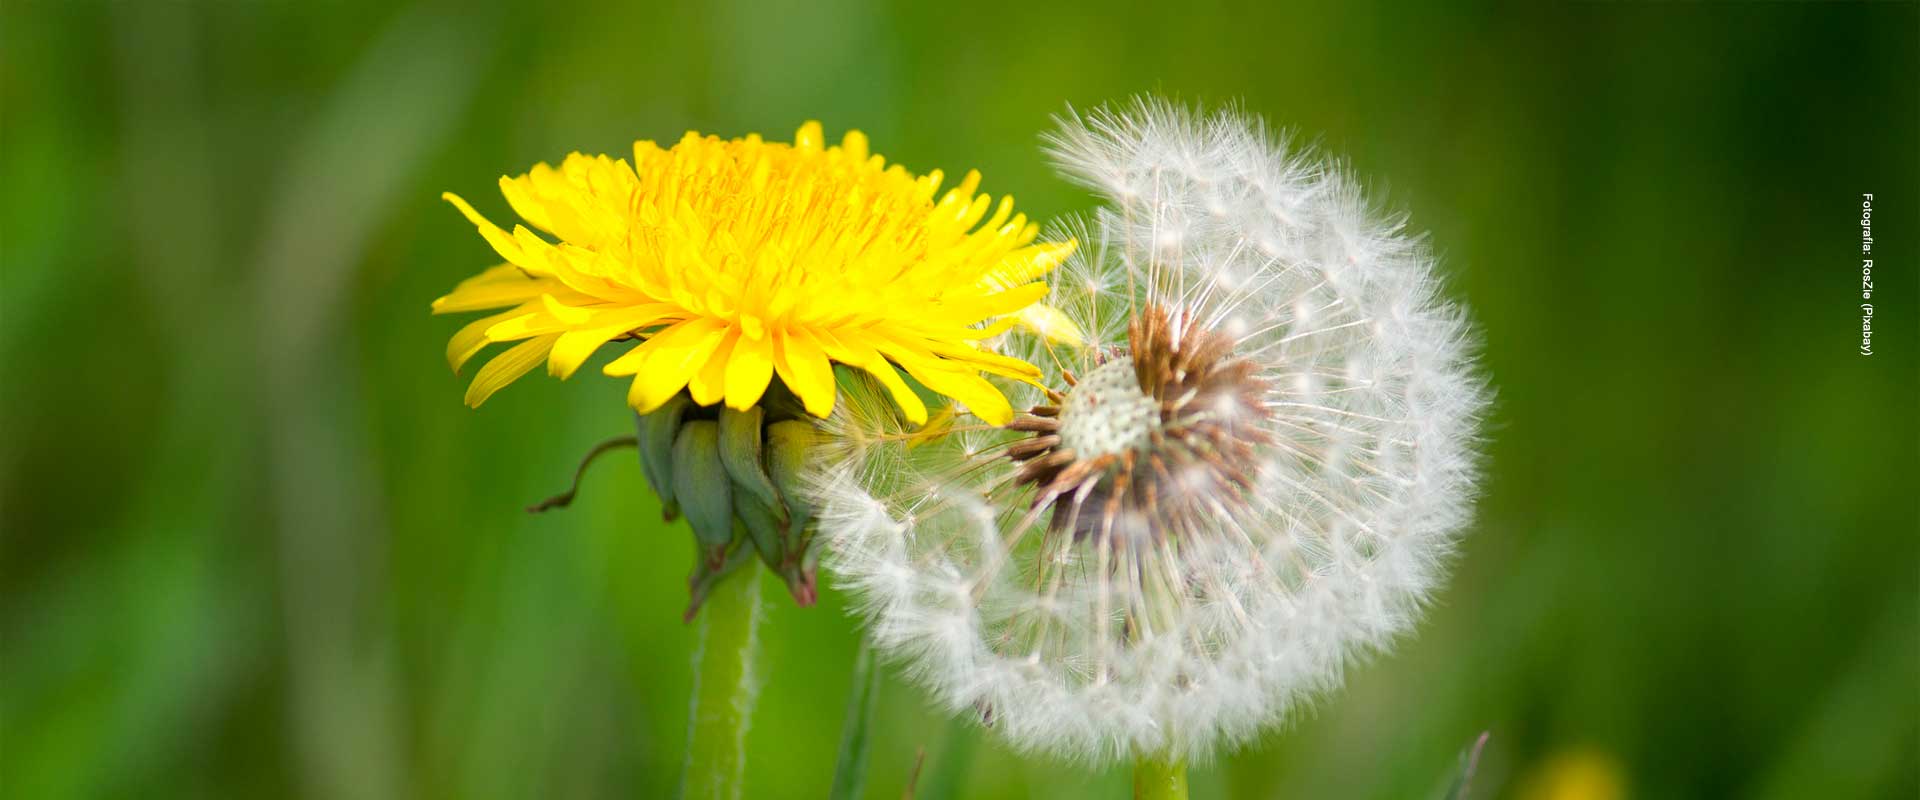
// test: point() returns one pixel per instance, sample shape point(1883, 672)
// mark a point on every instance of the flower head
point(733, 261)
point(1250, 474)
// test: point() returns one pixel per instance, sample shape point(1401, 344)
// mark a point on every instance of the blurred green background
point(254, 546)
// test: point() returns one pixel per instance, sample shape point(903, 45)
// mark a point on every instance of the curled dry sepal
point(1251, 474)
point(735, 476)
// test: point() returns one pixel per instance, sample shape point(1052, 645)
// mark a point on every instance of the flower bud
point(737, 479)
point(655, 436)
point(789, 449)
point(740, 433)
point(701, 487)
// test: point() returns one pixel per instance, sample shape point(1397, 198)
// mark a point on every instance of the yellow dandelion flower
point(732, 261)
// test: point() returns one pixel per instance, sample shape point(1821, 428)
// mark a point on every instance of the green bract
point(735, 476)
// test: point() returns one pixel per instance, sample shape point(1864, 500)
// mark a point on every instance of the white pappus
point(1251, 474)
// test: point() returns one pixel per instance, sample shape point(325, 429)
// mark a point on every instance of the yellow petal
point(1050, 323)
point(805, 370)
point(671, 357)
point(809, 137)
point(855, 145)
point(470, 340)
point(749, 370)
point(576, 346)
point(675, 334)
point(1000, 213)
point(966, 386)
point(988, 331)
point(507, 367)
point(851, 349)
point(565, 313)
point(537, 254)
point(504, 285)
point(910, 403)
point(709, 383)
point(501, 241)
point(975, 357)
point(534, 323)
point(1004, 302)
point(520, 194)
point(629, 363)
point(1029, 263)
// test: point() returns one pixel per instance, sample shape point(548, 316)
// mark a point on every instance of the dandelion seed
point(1250, 474)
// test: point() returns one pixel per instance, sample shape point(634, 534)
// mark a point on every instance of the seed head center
point(1107, 413)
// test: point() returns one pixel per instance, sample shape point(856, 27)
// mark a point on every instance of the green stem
point(725, 685)
point(1159, 779)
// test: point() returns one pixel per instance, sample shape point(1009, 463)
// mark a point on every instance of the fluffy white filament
point(1208, 625)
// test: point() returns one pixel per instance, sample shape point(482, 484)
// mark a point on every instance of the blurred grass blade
point(856, 735)
point(393, 111)
point(1469, 764)
point(913, 775)
point(952, 764)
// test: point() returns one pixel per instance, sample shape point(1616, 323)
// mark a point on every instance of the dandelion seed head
point(1249, 474)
